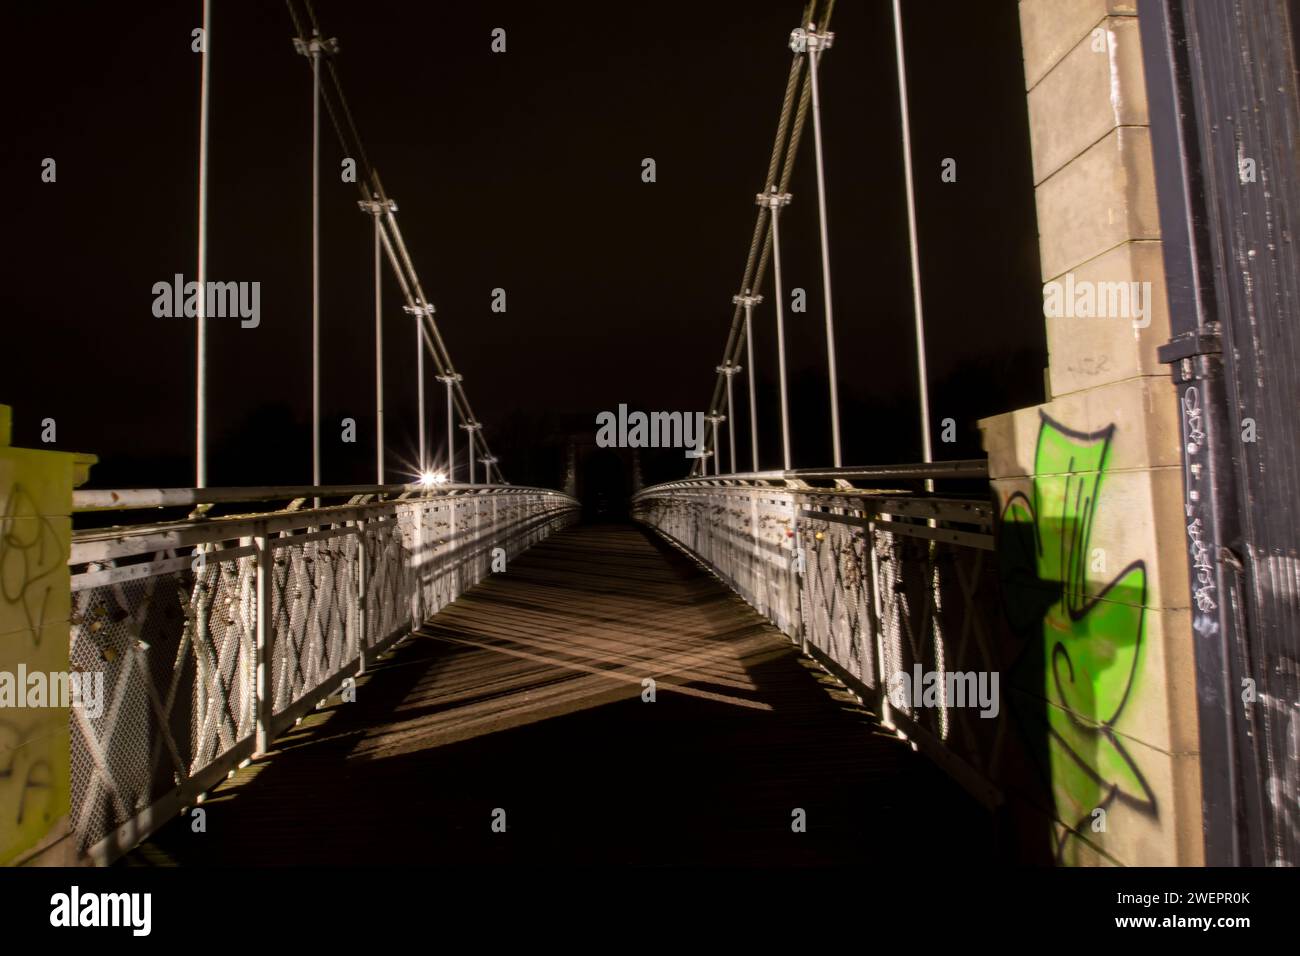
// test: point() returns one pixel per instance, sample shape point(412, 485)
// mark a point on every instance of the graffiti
point(33, 585)
point(31, 556)
point(37, 777)
point(1082, 643)
point(1202, 565)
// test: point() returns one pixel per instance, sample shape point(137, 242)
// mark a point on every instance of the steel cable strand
point(754, 276)
point(394, 245)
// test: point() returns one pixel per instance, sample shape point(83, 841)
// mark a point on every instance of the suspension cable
point(345, 129)
point(783, 154)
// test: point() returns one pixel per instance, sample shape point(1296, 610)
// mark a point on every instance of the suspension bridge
point(1034, 656)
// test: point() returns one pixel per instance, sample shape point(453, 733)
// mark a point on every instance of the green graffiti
point(1083, 643)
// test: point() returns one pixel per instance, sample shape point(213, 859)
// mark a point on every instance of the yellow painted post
point(35, 606)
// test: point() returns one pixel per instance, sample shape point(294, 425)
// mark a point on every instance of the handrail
point(937, 470)
point(870, 582)
point(214, 635)
point(130, 499)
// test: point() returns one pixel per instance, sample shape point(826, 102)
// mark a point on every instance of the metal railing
point(215, 634)
point(872, 583)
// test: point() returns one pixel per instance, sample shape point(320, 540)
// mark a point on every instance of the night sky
point(519, 170)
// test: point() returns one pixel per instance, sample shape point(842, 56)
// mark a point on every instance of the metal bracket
point(809, 40)
point(747, 298)
point(1190, 354)
point(377, 207)
point(315, 46)
point(773, 199)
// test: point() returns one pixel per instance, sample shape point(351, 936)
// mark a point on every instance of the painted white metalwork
point(813, 43)
point(917, 306)
point(201, 356)
point(870, 583)
point(773, 201)
point(215, 634)
point(748, 301)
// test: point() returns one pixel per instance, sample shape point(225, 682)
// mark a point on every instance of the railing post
point(453, 547)
point(363, 584)
point(882, 676)
point(263, 700)
point(797, 577)
point(759, 579)
point(379, 359)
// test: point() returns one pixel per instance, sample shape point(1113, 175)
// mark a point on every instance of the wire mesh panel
point(314, 613)
point(836, 602)
point(937, 602)
point(436, 549)
point(745, 536)
point(910, 644)
point(966, 609)
point(176, 653)
point(389, 578)
point(224, 647)
point(176, 635)
point(138, 634)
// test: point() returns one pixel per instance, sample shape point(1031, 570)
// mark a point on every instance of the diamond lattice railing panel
point(875, 593)
point(178, 648)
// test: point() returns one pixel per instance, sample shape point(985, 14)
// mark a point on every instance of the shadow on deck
point(526, 695)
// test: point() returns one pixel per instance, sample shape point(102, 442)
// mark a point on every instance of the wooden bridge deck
point(526, 695)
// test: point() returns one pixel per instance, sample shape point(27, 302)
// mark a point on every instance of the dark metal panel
point(1225, 124)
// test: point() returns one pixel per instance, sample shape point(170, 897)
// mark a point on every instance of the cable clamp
point(809, 40)
point(316, 46)
point(375, 207)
